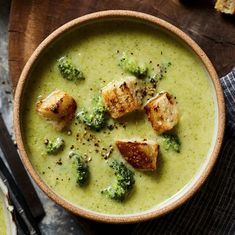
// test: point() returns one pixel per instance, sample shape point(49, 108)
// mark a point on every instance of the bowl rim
point(124, 14)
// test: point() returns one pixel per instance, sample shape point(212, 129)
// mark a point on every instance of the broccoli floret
point(115, 192)
point(55, 146)
point(171, 142)
point(69, 71)
point(131, 66)
point(82, 168)
point(96, 119)
point(124, 182)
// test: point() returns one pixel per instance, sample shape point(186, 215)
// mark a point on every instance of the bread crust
point(58, 107)
point(162, 112)
point(140, 155)
point(121, 98)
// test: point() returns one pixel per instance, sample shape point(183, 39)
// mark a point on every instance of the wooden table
point(31, 21)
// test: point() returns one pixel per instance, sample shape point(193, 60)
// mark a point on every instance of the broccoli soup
point(118, 117)
point(3, 228)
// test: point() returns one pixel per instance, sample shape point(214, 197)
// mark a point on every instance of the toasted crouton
point(162, 112)
point(225, 6)
point(58, 107)
point(121, 98)
point(141, 155)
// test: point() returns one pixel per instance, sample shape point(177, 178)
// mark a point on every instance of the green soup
point(3, 227)
point(95, 50)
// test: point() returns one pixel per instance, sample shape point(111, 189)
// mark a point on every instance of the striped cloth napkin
point(212, 209)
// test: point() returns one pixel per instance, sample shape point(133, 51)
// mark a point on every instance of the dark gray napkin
point(212, 209)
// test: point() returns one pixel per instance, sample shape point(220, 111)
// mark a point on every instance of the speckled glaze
point(174, 202)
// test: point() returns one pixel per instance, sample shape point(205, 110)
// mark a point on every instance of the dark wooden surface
point(32, 20)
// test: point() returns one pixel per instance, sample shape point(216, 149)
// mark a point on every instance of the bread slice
point(225, 6)
point(162, 112)
point(142, 155)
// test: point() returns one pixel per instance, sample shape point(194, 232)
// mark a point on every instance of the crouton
point(225, 6)
point(58, 107)
point(142, 155)
point(162, 112)
point(121, 98)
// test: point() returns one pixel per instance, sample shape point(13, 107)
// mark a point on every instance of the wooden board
point(32, 20)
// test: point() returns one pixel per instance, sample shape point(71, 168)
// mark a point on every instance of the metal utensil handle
point(18, 171)
point(18, 200)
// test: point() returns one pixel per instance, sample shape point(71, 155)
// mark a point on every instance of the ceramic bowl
point(186, 192)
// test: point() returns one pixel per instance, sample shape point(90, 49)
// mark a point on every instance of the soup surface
point(95, 49)
point(3, 228)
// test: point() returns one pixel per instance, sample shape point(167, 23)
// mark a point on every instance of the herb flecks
point(159, 73)
point(106, 152)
